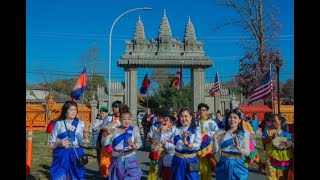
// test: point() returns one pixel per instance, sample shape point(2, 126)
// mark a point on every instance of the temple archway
point(164, 52)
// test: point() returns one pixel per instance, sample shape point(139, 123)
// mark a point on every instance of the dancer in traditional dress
point(68, 129)
point(123, 143)
point(279, 154)
point(205, 155)
point(254, 156)
point(233, 142)
point(187, 140)
point(107, 127)
point(156, 136)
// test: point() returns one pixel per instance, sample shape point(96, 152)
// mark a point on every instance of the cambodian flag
point(80, 86)
point(177, 80)
point(145, 84)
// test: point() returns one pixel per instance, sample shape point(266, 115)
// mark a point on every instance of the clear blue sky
point(59, 32)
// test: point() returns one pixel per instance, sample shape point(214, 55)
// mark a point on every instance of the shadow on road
point(144, 172)
point(93, 175)
point(256, 171)
point(146, 163)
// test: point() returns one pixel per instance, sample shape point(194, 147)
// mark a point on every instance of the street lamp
point(110, 35)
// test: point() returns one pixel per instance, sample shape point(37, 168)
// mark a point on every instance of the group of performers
point(181, 148)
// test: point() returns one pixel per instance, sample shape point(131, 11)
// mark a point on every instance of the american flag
point(264, 88)
point(216, 86)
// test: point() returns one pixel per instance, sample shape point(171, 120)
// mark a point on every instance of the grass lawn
point(42, 155)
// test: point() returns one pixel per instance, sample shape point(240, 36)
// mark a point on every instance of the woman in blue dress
point(233, 145)
point(186, 141)
point(123, 141)
point(68, 129)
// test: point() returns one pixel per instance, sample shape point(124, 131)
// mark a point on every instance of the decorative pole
point(110, 47)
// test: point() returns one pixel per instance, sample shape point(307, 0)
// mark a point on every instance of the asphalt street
point(93, 170)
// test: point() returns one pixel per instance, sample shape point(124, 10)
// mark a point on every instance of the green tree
point(287, 92)
point(170, 97)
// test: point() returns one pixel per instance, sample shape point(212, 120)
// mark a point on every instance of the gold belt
point(185, 155)
point(230, 155)
point(117, 154)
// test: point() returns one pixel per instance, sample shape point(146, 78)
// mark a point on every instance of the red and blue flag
point(177, 80)
point(80, 87)
point(145, 85)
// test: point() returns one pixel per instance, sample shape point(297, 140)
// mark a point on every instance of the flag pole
point(147, 92)
point(278, 86)
point(82, 106)
point(82, 101)
point(180, 85)
point(272, 100)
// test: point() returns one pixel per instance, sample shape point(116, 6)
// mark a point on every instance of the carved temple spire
point(139, 33)
point(189, 31)
point(165, 30)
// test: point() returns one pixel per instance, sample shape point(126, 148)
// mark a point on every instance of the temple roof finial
point(139, 31)
point(165, 30)
point(189, 31)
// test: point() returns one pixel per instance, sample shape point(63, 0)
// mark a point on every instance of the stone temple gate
point(164, 52)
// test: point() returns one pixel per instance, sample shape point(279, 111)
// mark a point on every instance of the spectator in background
point(266, 122)
point(96, 129)
point(175, 114)
point(284, 125)
point(139, 120)
point(226, 112)
point(255, 122)
point(147, 122)
point(104, 112)
point(219, 120)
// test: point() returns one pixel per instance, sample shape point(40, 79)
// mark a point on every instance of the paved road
point(93, 172)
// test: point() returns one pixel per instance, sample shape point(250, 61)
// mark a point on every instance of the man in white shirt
point(104, 112)
point(95, 128)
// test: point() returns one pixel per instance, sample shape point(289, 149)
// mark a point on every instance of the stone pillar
point(93, 105)
point(197, 87)
point(130, 95)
